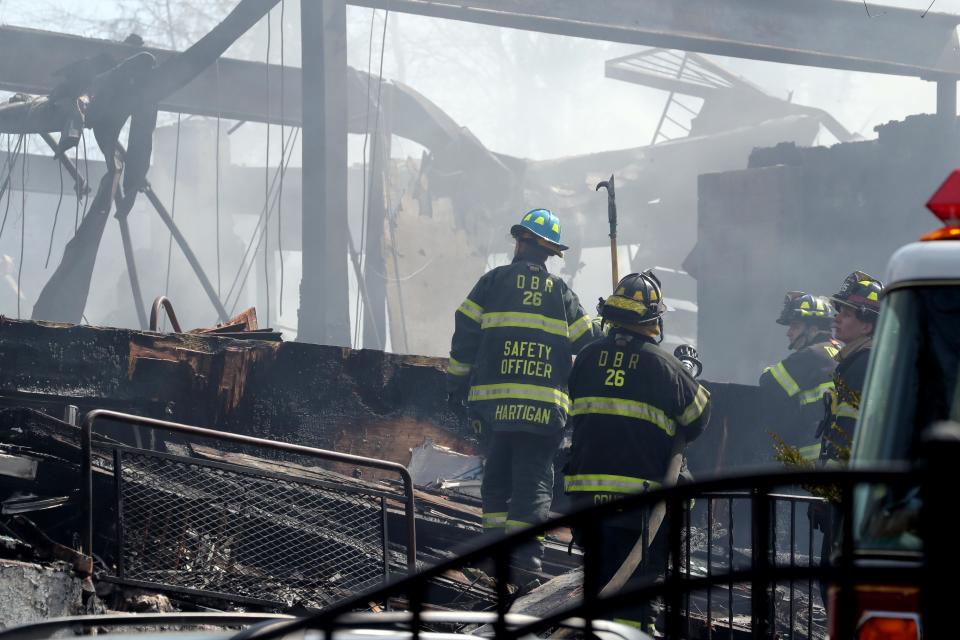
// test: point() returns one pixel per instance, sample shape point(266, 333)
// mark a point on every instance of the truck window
point(912, 382)
point(918, 344)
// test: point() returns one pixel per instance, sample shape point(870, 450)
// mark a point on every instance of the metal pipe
point(187, 252)
point(164, 302)
point(793, 561)
point(759, 599)
point(132, 268)
point(846, 596)
point(709, 567)
point(688, 525)
point(730, 565)
point(674, 596)
point(86, 483)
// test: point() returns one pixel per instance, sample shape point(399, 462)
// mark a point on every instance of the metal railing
point(758, 575)
point(710, 545)
point(245, 533)
point(162, 303)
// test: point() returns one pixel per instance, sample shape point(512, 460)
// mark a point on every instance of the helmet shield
point(804, 307)
point(861, 292)
point(636, 300)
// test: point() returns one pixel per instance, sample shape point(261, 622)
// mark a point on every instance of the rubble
point(203, 497)
point(433, 466)
point(30, 592)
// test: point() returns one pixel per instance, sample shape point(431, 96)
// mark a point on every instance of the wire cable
point(260, 221)
point(363, 187)
point(268, 211)
point(173, 214)
point(9, 167)
point(11, 164)
point(76, 211)
point(283, 154)
point(217, 171)
point(23, 225)
point(291, 140)
point(56, 215)
point(6, 183)
point(376, 139)
point(86, 172)
point(266, 181)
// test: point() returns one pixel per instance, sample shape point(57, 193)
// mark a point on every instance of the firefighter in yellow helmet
point(510, 356)
point(631, 399)
point(792, 390)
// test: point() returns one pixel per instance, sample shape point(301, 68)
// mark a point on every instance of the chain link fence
point(227, 530)
point(245, 533)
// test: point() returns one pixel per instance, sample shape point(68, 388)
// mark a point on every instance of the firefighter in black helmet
point(511, 353)
point(630, 400)
point(792, 390)
point(858, 308)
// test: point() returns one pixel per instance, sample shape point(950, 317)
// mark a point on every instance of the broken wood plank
point(21, 467)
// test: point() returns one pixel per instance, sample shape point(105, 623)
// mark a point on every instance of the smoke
point(539, 104)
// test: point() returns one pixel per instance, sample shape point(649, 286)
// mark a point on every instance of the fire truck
point(911, 384)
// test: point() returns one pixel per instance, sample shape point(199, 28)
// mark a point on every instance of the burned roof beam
point(818, 33)
point(822, 33)
point(30, 57)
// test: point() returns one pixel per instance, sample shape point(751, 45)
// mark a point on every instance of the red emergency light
point(945, 204)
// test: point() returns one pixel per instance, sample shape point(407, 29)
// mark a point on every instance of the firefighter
point(792, 390)
point(510, 357)
point(858, 307)
point(631, 399)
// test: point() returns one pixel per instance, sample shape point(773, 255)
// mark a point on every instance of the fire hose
point(635, 557)
point(689, 358)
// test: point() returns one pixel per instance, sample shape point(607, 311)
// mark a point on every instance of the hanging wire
point(173, 215)
point(56, 215)
point(11, 165)
point(283, 154)
point(23, 224)
point(392, 222)
point(248, 253)
point(76, 212)
point(376, 139)
point(266, 182)
point(6, 183)
point(363, 196)
point(86, 172)
point(252, 247)
point(291, 137)
point(216, 170)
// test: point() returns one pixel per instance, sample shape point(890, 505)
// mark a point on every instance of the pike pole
point(612, 219)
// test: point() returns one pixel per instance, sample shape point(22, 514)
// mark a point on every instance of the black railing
point(243, 532)
point(710, 544)
point(762, 571)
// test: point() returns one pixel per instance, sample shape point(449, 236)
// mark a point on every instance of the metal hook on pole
point(612, 219)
